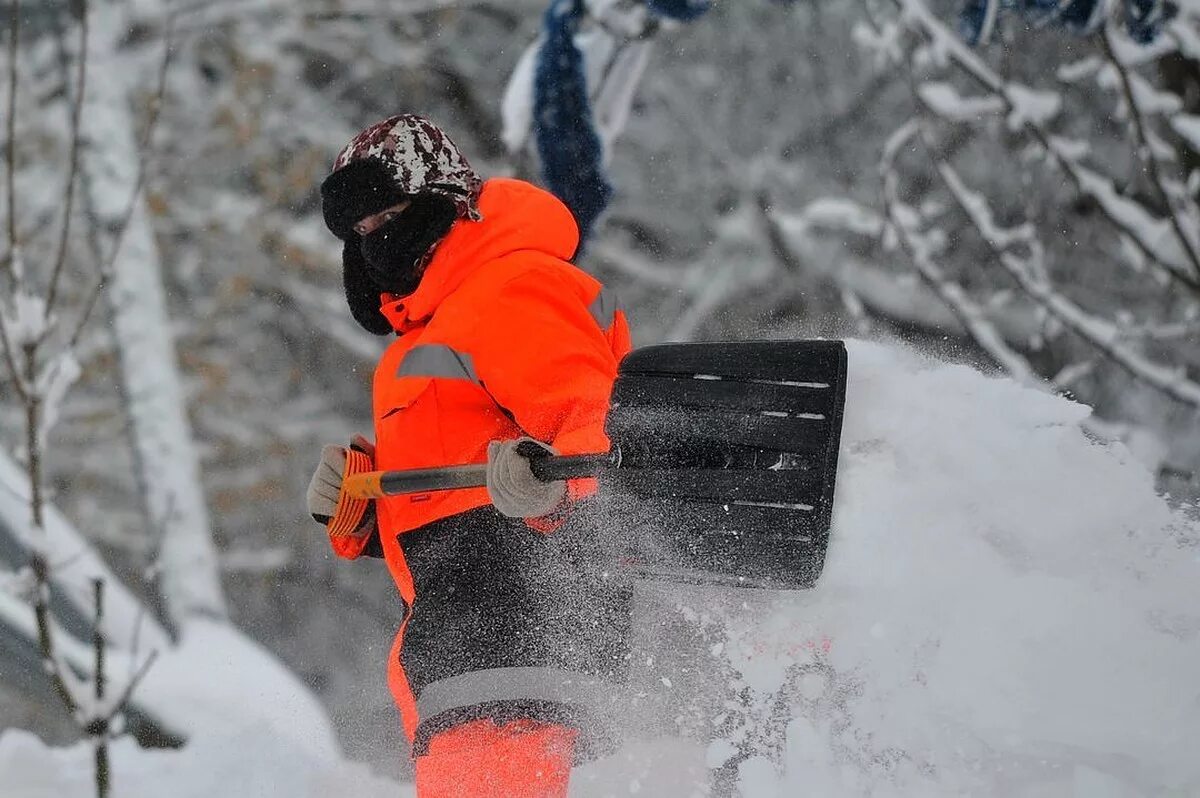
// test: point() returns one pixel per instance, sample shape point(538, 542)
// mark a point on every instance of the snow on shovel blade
point(728, 456)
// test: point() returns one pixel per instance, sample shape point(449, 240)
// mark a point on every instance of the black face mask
point(393, 252)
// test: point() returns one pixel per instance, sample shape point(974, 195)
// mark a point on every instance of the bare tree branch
point(122, 702)
point(38, 562)
point(1102, 335)
point(99, 726)
point(11, 361)
point(14, 41)
point(1145, 153)
point(913, 242)
point(777, 241)
point(73, 166)
point(24, 377)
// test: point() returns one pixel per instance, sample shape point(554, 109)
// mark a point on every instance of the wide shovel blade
point(729, 458)
point(723, 462)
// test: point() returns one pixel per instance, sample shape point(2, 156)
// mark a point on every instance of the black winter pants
point(511, 623)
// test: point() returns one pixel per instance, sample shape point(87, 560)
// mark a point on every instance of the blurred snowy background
point(1010, 187)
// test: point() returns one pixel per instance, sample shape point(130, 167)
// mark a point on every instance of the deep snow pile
point(1021, 610)
point(1007, 609)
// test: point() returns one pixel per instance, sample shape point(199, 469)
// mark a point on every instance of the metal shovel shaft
point(376, 484)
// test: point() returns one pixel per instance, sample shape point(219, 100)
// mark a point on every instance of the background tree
point(53, 279)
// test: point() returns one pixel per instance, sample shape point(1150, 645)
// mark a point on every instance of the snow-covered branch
point(968, 111)
point(10, 148)
point(77, 656)
point(1030, 110)
point(167, 462)
point(41, 379)
point(716, 283)
point(1028, 273)
point(921, 246)
point(60, 260)
point(1181, 211)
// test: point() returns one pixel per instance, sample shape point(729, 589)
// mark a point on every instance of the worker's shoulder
point(535, 273)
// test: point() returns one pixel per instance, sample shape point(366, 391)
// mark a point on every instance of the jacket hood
point(401, 156)
point(516, 216)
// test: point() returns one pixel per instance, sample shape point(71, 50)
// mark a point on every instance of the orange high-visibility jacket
point(503, 337)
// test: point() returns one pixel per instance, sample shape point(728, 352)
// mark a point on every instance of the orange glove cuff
point(348, 515)
point(552, 520)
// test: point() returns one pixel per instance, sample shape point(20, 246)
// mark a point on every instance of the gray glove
point(325, 488)
point(514, 490)
point(326, 483)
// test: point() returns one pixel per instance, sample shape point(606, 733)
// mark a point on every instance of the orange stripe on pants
point(521, 759)
point(401, 689)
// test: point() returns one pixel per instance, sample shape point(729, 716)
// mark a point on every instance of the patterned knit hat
point(392, 160)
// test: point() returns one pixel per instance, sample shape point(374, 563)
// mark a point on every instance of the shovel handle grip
point(376, 484)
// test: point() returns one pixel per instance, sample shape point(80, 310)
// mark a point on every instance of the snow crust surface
point(1007, 609)
point(218, 680)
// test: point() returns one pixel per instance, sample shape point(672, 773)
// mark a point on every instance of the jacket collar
point(516, 216)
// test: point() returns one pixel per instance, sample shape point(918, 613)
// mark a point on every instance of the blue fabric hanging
point(567, 143)
point(1039, 12)
point(682, 10)
point(1143, 19)
point(1081, 16)
point(972, 19)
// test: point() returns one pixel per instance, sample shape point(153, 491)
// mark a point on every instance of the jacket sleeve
point(351, 547)
point(547, 359)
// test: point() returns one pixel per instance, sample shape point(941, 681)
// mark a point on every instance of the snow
point(516, 107)
point(28, 321)
point(945, 101)
point(835, 213)
point(1007, 609)
point(56, 378)
point(217, 680)
point(1078, 71)
point(1031, 107)
point(613, 97)
point(166, 455)
point(1188, 126)
point(248, 763)
point(1015, 610)
point(74, 565)
point(882, 41)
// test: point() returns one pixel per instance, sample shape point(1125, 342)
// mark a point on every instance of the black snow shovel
point(722, 464)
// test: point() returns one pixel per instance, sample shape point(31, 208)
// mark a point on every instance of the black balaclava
point(394, 253)
point(362, 294)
